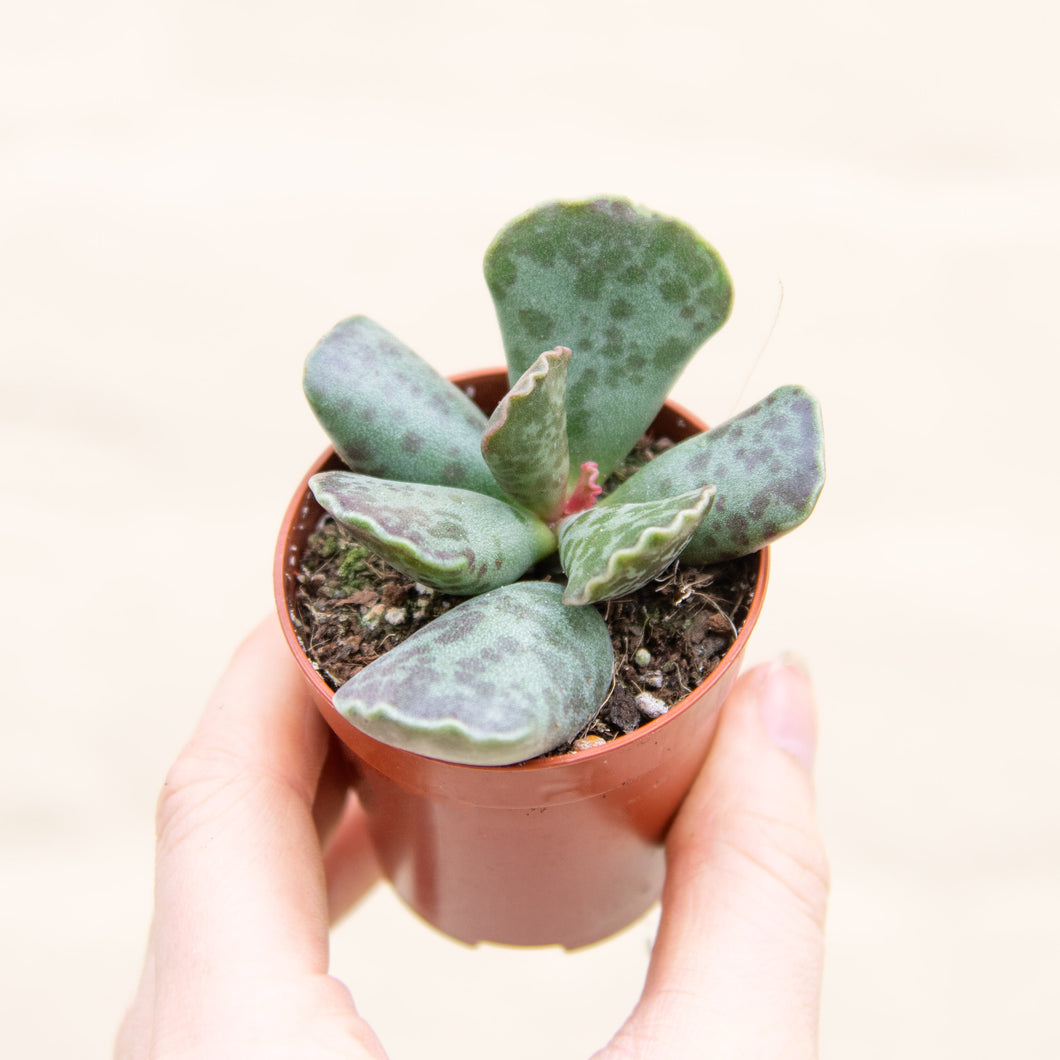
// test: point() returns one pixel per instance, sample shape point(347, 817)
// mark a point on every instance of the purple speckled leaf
point(454, 540)
point(499, 679)
point(390, 414)
point(632, 293)
point(767, 465)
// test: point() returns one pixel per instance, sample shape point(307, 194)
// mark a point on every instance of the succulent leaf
point(389, 413)
point(633, 293)
point(525, 443)
point(767, 464)
point(454, 540)
point(498, 679)
point(609, 551)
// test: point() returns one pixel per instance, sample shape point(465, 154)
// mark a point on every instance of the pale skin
point(259, 850)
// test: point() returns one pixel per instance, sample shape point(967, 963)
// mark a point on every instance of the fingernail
point(788, 708)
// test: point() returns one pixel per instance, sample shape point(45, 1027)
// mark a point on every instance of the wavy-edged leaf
point(450, 539)
point(525, 443)
point(499, 679)
point(610, 551)
point(632, 293)
point(390, 414)
point(767, 464)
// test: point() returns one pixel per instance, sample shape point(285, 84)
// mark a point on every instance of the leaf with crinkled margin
point(390, 414)
point(525, 443)
point(454, 540)
point(632, 293)
point(767, 464)
point(498, 679)
point(611, 551)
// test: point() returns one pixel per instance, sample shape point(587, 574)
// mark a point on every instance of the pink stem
point(585, 491)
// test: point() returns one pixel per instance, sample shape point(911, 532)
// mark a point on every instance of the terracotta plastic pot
point(563, 850)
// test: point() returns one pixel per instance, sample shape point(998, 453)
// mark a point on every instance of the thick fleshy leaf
point(610, 551)
point(632, 293)
point(499, 679)
point(767, 464)
point(450, 539)
point(390, 414)
point(525, 444)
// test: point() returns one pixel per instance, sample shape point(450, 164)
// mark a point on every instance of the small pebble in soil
point(650, 706)
point(396, 616)
point(586, 743)
point(642, 658)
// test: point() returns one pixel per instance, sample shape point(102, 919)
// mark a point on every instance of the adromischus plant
point(620, 298)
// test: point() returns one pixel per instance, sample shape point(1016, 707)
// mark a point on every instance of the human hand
point(256, 854)
point(737, 963)
point(258, 849)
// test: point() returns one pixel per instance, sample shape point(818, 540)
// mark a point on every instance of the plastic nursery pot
point(561, 850)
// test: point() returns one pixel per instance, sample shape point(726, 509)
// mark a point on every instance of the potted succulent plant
point(451, 734)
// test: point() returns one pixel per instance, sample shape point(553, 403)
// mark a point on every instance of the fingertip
point(770, 708)
point(788, 709)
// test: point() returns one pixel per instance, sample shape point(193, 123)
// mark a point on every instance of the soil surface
point(668, 636)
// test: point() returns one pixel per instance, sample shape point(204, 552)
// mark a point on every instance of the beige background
point(191, 193)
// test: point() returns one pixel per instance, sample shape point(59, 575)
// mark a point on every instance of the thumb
point(737, 965)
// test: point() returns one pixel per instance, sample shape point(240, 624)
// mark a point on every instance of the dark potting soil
point(668, 636)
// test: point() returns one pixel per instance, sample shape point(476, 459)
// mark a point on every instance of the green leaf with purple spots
point(610, 551)
point(390, 414)
point(632, 293)
point(525, 444)
point(498, 679)
point(767, 464)
point(450, 539)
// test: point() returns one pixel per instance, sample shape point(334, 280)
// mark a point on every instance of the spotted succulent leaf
point(498, 679)
point(454, 540)
point(525, 443)
point(633, 293)
point(767, 464)
point(613, 550)
point(389, 413)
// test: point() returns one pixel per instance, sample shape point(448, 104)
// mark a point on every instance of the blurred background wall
point(192, 193)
